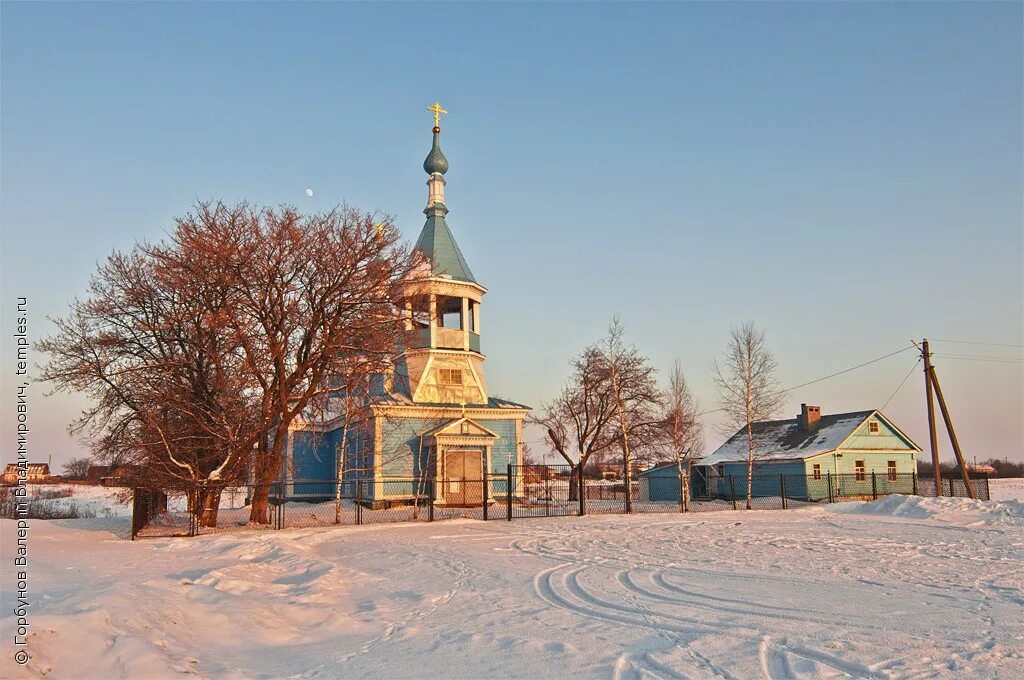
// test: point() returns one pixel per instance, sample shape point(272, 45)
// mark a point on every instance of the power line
point(827, 377)
point(981, 356)
point(990, 360)
point(852, 368)
point(833, 375)
point(975, 342)
point(902, 383)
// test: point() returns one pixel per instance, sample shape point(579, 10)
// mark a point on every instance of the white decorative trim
point(454, 411)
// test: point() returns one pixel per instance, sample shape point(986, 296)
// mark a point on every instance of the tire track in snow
point(709, 602)
point(567, 593)
point(547, 592)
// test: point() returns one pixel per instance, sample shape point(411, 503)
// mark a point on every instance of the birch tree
point(635, 398)
point(747, 389)
point(681, 428)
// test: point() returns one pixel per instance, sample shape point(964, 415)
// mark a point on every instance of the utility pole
point(952, 436)
point(933, 439)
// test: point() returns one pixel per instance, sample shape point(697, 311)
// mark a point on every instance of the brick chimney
point(809, 417)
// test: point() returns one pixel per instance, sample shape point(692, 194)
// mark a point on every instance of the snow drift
point(961, 511)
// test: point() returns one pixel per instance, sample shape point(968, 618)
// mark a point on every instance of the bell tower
point(443, 363)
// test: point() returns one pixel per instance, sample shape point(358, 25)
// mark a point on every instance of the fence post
point(914, 475)
point(782, 490)
point(732, 489)
point(951, 493)
point(874, 487)
point(280, 514)
point(508, 494)
point(583, 489)
point(682, 496)
point(828, 477)
point(359, 501)
point(430, 506)
point(135, 512)
point(487, 496)
point(988, 489)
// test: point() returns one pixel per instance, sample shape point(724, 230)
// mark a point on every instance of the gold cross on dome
point(436, 109)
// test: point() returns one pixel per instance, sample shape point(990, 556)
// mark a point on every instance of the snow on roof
point(785, 440)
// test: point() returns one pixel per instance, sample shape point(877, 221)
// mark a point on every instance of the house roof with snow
point(791, 439)
point(32, 470)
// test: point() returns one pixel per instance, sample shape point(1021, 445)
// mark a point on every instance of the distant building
point(37, 472)
point(609, 470)
point(112, 475)
point(660, 483)
point(844, 447)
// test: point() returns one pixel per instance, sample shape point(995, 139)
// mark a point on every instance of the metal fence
point(520, 492)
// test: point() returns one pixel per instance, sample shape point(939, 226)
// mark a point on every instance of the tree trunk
point(339, 473)
point(266, 474)
point(750, 465)
point(684, 488)
point(209, 504)
point(574, 483)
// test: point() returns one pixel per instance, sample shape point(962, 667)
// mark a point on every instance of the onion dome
point(435, 161)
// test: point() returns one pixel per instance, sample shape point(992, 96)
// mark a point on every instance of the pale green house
point(860, 454)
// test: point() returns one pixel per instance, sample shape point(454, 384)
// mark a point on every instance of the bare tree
point(635, 398)
point(609, 400)
point(199, 353)
point(578, 422)
point(747, 388)
point(76, 468)
point(681, 427)
point(310, 295)
point(166, 392)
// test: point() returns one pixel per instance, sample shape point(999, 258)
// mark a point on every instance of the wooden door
point(463, 476)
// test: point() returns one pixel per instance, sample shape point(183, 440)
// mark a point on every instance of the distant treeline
point(1003, 468)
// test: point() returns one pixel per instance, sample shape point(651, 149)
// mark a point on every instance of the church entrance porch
point(462, 473)
point(461, 452)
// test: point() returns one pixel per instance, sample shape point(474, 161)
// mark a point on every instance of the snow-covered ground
point(1006, 489)
point(902, 587)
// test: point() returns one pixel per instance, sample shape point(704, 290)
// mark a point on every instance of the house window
point(891, 469)
point(858, 470)
point(450, 376)
point(721, 470)
point(873, 427)
point(816, 469)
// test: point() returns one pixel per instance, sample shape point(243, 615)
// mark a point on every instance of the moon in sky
point(309, 192)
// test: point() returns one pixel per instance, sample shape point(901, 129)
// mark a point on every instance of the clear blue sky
point(849, 176)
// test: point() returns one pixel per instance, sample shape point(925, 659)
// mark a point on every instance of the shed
point(660, 484)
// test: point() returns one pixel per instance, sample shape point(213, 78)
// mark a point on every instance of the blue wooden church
point(432, 418)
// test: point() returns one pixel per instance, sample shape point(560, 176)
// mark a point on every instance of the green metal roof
point(438, 245)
